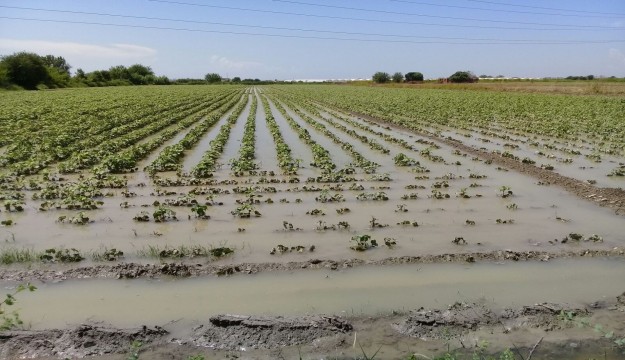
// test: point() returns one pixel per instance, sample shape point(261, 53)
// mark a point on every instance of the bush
point(463, 77)
point(381, 77)
point(414, 76)
point(398, 77)
point(25, 69)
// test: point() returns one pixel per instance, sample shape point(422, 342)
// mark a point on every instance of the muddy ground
point(538, 331)
point(189, 269)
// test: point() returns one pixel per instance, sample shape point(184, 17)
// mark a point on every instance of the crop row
point(208, 163)
point(287, 164)
point(53, 131)
point(321, 156)
point(360, 161)
point(574, 118)
point(245, 161)
point(170, 156)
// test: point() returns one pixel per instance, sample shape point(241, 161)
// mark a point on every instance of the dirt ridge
point(183, 270)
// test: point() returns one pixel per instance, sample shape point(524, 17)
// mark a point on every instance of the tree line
point(31, 71)
point(381, 77)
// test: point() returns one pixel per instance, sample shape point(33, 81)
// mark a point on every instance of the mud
point(235, 332)
point(83, 340)
point(256, 337)
point(136, 270)
point(613, 198)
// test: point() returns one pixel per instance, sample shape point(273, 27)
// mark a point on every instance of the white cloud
point(221, 63)
point(72, 50)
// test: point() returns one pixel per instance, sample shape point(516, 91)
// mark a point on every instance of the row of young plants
point(245, 161)
point(134, 147)
point(89, 150)
point(321, 156)
point(170, 157)
point(208, 163)
point(568, 117)
point(48, 131)
point(287, 164)
point(13, 255)
point(399, 159)
point(368, 166)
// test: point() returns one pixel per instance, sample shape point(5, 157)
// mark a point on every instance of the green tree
point(414, 76)
point(57, 78)
point(119, 72)
point(25, 69)
point(462, 77)
point(141, 70)
point(381, 77)
point(57, 62)
point(4, 77)
point(212, 78)
point(398, 77)
point(80, 74)
point(236, 79)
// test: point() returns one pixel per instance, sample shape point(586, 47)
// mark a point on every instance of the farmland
point(250, 184)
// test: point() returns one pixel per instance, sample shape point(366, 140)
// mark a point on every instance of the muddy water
point(194, 156)
point(267, 158)
point(231, 149)
point(339, 156)
point(580, 168)
point(299, 149)
point(362, 291)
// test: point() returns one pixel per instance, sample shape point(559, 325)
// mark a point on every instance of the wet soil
point(422, 331)
point(137, 270)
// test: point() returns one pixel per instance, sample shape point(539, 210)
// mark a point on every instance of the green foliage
point(381, 77)
point(135, 349)
point(12, 320)
point(196, 357)
point(213, 78)
point(25, 69)
point(363, 242)
point(414, 76)
point(397, 77)
point(462, 77)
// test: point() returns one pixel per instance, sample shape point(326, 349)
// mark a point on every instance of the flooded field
point(353, 292)
point(272, 178)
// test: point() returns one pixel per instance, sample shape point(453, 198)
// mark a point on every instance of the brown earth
point(135, 270)
point(425, 330)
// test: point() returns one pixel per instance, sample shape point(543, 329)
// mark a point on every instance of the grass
point(13, 255)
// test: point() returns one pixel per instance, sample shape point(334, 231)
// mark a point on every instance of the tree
point(212, 78)
point(25, 69)
point(462, 77)
point(414, 76)
point(56, 62)
point(236, 79)
point(398, 77)
point(80, 74)
point(381, 77)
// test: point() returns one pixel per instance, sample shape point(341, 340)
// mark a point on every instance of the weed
point(12, 320)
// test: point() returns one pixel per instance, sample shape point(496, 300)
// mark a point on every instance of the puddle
point(361, 291)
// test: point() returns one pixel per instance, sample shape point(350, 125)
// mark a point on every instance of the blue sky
point(509, 37)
